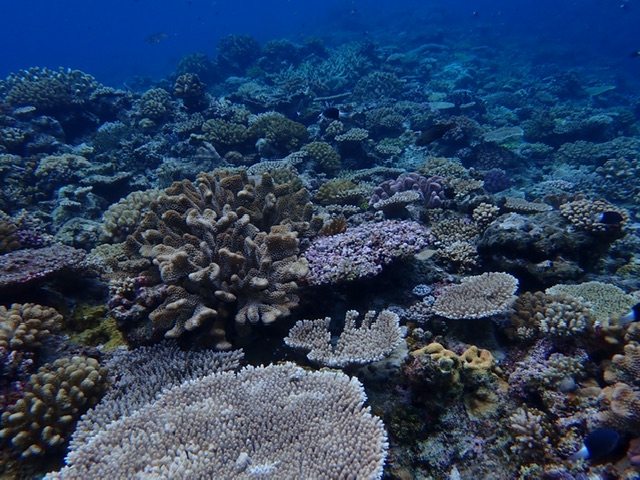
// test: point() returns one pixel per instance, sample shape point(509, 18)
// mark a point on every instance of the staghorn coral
point(123, 217)
point(26, 326)
point(275, 420)
point(477, 296)
point(583, 214)
point(547, 315)
point(375, 338)
point(484, 214)
point(530, 430)
point(30, 265)
point(56, 397)
point(323, 154)
point(226, 247)
point(362, 251)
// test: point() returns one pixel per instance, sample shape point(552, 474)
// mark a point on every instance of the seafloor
point(483, 204)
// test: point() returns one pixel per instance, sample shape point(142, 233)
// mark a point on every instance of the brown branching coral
point(27, 326)
point(56, 397)
point(540, 314)
point(584, 214)
point(227, 248)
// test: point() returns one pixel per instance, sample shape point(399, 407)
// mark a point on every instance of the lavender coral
point(362, 251)
point(375, 338)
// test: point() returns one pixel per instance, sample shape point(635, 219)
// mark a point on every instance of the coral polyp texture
point(278, 420)
point(27, 326)
point(375, 338)
point(362, 251)
point(227, 249)
point(477, 296)
point(56, 396)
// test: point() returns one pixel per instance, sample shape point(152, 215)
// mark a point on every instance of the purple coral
point(23, 267)
point(132, 298)
point(362, 251)
point(496, 180)
point(430, 189)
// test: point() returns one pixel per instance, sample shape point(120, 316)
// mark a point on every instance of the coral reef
point(27, 326)
point(222, 247)
point(30, 265)
point(56, 397)
point(477, 296)
point(287, 414)
point(375, 338)
point(362, 251)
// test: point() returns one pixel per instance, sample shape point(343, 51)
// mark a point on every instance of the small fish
point(333, 113)
point(609, 218)
point(599, 444)
point(635, 54)
point(433, 133)
point(632, 316)
point(156, 38)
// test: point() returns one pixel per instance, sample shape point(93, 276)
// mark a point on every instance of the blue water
point(108, 38)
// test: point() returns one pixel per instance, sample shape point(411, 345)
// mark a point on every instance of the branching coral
point(375, 338)
point(56, 397)
point(27, 326)
point(226, 247)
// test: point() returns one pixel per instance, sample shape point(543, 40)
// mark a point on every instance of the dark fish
point(635, 54)
point(433, 133)
point(632, 316)
point(332, 113)
point(599, 444)
point(158, 37)
point(609, 218)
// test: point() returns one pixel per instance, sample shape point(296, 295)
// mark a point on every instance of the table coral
point(477, 296)
point(30, 265)
point(276, 421)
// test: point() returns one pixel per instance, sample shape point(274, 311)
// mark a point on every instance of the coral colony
point(295, 260)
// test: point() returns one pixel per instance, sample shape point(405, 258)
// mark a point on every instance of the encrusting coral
point(226, 247)
point(275, 421)
point(477, 296)
point(375, 338)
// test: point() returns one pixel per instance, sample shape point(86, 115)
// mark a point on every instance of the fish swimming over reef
point(609, 218)
point(156, 38)
point(632, 316)
point(433, 133)
point(333, 113)
point(599, 444)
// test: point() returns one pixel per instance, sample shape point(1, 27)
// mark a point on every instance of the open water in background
point(108, 38)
